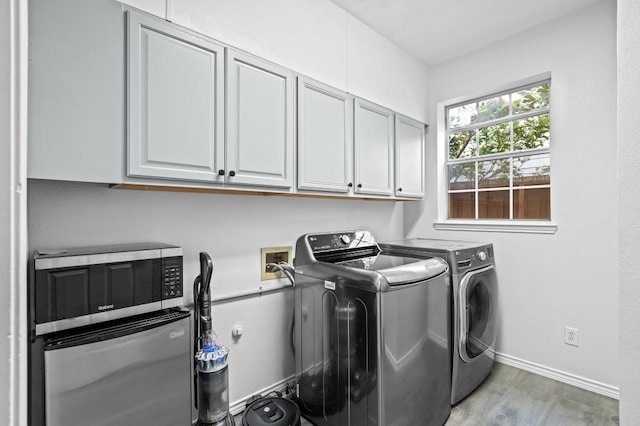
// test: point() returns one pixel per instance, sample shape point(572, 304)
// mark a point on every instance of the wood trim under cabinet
point(167, 188)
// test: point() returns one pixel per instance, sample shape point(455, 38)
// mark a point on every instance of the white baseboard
point(561, 376)
point(237, 407)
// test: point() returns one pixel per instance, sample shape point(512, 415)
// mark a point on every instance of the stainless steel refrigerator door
point(142, 378)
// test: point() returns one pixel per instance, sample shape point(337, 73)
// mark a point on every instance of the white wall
point(318, 39)
point(567, 279)
point(629, 206)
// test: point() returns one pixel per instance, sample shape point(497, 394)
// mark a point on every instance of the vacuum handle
point(204, 297)
point(206, 270)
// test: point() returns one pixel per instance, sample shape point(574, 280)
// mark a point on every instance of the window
point(498, 163)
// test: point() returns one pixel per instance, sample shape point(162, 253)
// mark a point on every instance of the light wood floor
point(510, 396)
point(514, 397)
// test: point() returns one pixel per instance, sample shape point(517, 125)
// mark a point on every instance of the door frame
point(13, 209)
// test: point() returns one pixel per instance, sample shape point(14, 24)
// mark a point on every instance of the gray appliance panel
point(141, 378)
point(366, 358)
point(336, 345)
point(416, 357)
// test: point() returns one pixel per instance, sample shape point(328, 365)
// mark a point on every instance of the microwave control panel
point(172, 277)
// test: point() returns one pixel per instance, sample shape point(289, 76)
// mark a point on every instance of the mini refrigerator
point(129, 372)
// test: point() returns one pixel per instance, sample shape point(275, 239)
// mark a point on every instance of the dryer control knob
point(482, 255)
point(345, 239)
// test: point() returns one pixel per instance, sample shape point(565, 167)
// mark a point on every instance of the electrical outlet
point(572, 336)
point(273, 255)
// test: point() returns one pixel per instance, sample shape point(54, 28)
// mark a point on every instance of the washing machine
point(371, 333)
point(474, 301)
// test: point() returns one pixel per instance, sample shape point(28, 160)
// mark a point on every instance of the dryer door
point(477, 299)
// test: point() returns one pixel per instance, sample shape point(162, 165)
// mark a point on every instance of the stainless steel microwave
point(82, 286)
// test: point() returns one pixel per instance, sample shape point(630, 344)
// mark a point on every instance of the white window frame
point(486, 225)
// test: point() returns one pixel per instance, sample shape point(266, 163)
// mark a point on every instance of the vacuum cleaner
point(211, 372)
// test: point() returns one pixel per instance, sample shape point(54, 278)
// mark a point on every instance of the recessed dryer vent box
point(273, 255)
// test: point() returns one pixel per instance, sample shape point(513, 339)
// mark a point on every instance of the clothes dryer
point(474, 301)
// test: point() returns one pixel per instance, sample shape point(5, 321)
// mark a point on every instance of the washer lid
point(399, 269)
point(411, 272)
point(434, 244)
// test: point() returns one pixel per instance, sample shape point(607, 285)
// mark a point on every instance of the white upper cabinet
point(373, 147)
point(197, 112)
point(76, 83)
point(260, 122)
point(176, 102)
point(325, 138)
point(409, 157)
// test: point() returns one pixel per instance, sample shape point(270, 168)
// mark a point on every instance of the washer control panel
point(340, 241)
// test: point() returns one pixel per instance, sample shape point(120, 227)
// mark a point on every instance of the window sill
point(526, 227)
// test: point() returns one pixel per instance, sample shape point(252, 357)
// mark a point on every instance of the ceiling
point(437, 30)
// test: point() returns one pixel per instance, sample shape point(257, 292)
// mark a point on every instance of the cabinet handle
point(359, 185)
point(350, 184)
point(221, 172)
point(399, 189)
point(232, 173)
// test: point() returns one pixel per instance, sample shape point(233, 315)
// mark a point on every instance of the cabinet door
point(373, 146)
point(76, 91)
point(325, 137)
point(175, 100)
point(260, 123)
point(409, 157)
